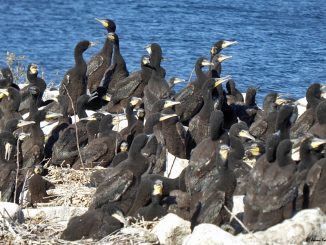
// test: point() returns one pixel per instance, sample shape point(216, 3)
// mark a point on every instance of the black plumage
point(157, 87)
point(101, 61)
point(319, 127)
point(203, 153)
point(118, 69)
point(121, 185)
point(190, 96)
point(37, 187)
point(101, 150)
point(9, 105)
point(238, 134)
point(316, 183)
point(154, 210)
point(65, 149)
point(208, 205)
point(308, 118)
point(274, 200)
point(74, 83)
point(95, 223)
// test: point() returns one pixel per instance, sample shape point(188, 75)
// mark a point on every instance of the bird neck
point(107, 49)
point(79, 60)
point(237, 149)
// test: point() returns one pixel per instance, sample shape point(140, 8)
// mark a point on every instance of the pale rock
point(135, 235)
point(11, 212)
point(309, 224)
point(174, 166)
point(210, 234)
point(238, 206)
point(55, 214)
point(171, 230)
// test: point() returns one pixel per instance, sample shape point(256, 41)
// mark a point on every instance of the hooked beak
point(255, 151)
point(222, 58)
point(221, 80)
point(167, 116)
point(206, 63)
point(92, 44)
point(22, 123)
point(52, 115)
point(228, 44)
point(178, 80)
point(245, 134)
point(148, 49)
point(106, 97)
point(3, 93)
point(135, 100)
point(103, 22)
point(317, 142)
point(170, 103)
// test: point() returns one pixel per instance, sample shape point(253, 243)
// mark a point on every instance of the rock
point(11, 212)
point(307, 225)
point(238, 206)
point(130, 235)
point(174, 165)
point(56, 214)
point(210, 234)
point(172, 230)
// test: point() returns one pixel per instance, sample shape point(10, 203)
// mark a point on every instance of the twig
point(76, 131)
point(17, 170)
point(22, 192)
point(191, 74)
point(238, 220)
point(175, 157)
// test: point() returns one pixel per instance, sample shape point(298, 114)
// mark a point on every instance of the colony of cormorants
point(231, 146)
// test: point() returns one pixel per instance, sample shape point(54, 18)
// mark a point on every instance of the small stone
point(11, 212)
point(210, 234)
point(172, 230)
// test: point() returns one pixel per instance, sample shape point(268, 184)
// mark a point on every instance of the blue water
point(282, 44)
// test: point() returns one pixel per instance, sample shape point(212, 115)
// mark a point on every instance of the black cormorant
point(101, 61)
point(74, 82)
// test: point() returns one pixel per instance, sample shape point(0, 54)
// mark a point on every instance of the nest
point(72, 187)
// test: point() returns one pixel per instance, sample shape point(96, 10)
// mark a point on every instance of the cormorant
point(34, 81)
point(157, 87)
point(190, 97)
point(308, 118)
point(37, 186)
point(121, 184)
point(154, 210)
point(65, 149)
point(274, 200)
point(207, 206)
point(74, 82)
point(203, 153)
point(241, 170)
point(101, 61)
point(9, 105)
point(316, 180)
point(117, 70)
point(233, 94)
point(319, 127)
point(101, 150)
point(95, 223)
point(6, 78)
point(199, 124)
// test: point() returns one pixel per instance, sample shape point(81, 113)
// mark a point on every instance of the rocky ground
point(72, 194)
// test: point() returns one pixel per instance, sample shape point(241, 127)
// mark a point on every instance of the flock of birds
point(273, 156)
